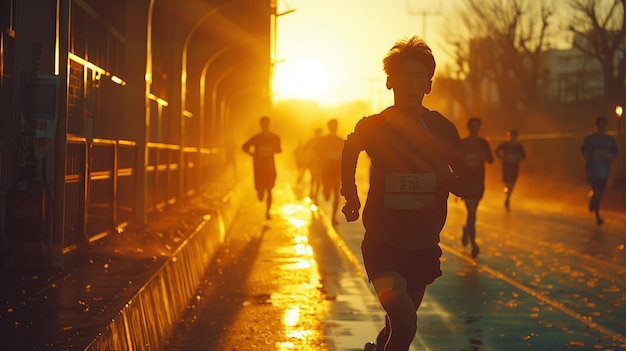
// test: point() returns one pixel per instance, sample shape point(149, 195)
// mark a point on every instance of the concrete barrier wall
point(149, 318)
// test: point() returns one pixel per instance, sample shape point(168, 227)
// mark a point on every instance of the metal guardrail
point(74, 216)
point(126, 181)
point(101, 183)
point(101, 192)
point(162, 175)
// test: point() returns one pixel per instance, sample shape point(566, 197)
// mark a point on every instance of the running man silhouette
point(313, 163)
point(262, 147)
point(598, 151)
point(511, 153)
point(413, 153)
point(328, 151)
point(478, 153)
point(299, 154)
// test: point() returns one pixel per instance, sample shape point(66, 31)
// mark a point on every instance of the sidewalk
point(125, 289)
point(280, 284)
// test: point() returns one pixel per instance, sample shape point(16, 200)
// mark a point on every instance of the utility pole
point(413, 9)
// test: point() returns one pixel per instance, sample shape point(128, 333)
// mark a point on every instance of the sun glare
point(301, 79)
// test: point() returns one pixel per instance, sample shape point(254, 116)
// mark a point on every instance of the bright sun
point(301, 79)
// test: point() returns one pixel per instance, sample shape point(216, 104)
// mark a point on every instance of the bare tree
point(499, 51)
point(601, 24)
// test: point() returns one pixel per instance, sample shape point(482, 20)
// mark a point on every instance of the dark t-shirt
point(407, 200)
point(598, 150)
point(478, 152)
point(511, 153)
point(328, 153)
point(264, 146)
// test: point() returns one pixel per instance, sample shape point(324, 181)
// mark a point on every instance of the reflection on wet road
point(263, 291)
point(547, 278)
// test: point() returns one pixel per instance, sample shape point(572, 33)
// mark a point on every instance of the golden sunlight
point(301, 79)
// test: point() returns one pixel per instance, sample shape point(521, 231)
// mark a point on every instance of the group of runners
point(321, 156)
point(417, 158)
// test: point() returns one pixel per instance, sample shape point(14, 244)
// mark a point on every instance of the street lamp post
point(183, 73)
point(618, 112)
point(215, 108)
point(274, 45)
point(414, 9)
point(205, 69)
point(203, 76)
point(183, 87)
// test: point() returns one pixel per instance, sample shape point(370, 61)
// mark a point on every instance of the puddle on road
point(300, 289)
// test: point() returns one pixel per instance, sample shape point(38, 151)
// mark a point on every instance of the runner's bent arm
point(247, 145)
point(523, 152)
point(352, 147)
point(489, 158)
point(278, 149)
point(466, 185)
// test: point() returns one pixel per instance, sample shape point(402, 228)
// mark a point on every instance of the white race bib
point(410, 191)
point(474, 159)
point(264, 151)
point(511, 158)
point(601, 155)
point(334, 155)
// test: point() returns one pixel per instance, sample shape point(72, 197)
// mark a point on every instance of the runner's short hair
point(413, 48)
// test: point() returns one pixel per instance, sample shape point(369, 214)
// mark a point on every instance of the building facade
point(571, 76)
point(111, 109)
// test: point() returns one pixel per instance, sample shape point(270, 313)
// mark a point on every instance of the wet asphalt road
point(263, 290)
point(547, 278)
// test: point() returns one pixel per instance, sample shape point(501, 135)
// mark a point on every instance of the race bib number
point(265, 151)
point(511, 158)
point(410, 191)
point(334, 155)
point(601, 155)
point(474, 159)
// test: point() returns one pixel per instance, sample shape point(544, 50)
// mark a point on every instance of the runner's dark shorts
point(418, 267)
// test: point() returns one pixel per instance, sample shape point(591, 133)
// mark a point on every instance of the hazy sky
point(332, 50)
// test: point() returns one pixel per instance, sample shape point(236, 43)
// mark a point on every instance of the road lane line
point(587, 320)
point(611, 271)
point(332, 233)
point(341, 244)
point(363, 330)
point(353, 312)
